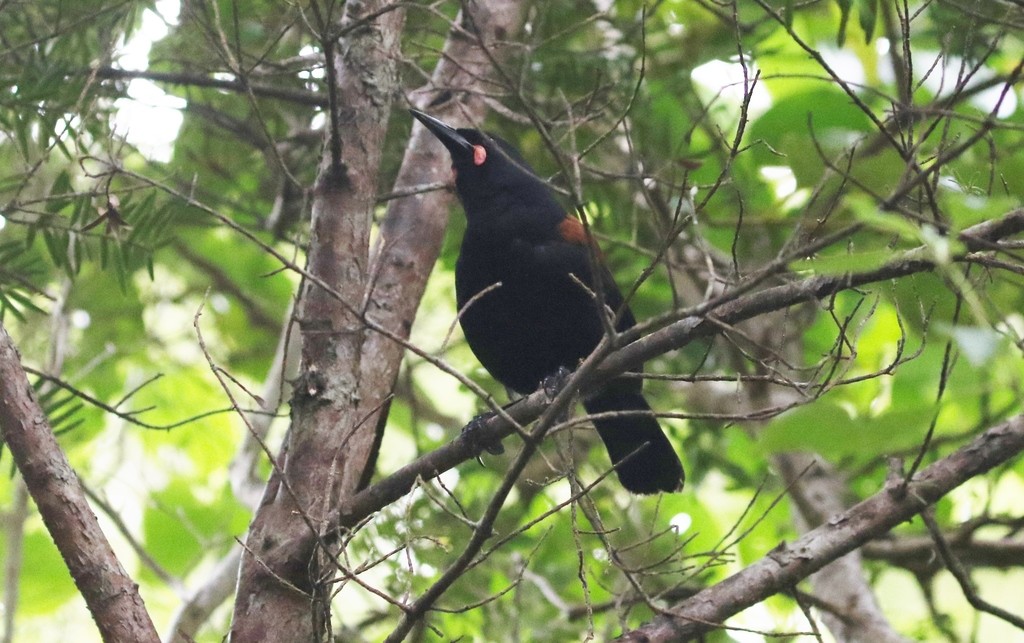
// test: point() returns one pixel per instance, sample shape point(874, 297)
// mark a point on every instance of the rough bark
point(281, 592)
point(110, 594)
point(842, 583)
point(348, 372)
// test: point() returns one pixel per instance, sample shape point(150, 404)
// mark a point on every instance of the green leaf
point(61, 420)
point(60, 193)
point(81, 207)
point(26, 302)
point(829, 428)
point(7, 305)
point(844, 19)
point(179, 529)
point(56, 242)
point(867, 14)
point(799, 124)
point(21, 134)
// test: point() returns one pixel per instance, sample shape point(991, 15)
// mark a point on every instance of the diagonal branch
point(701, 323)
point(788, 564)
point(110, 594)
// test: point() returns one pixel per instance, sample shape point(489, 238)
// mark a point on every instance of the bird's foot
point(472, 429)
point(554, 383)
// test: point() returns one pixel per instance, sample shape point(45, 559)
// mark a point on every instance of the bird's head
point(487, 167)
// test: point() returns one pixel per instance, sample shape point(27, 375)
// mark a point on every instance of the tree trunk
point(348, 369)
point(282, 592)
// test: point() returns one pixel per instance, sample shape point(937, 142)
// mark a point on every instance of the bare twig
point(963, 578)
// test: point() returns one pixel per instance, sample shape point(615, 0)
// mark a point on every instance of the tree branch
point(818, 495)
point(671, 337)
point(788, 564)
point(191, 79)
point(110, 594)
point(917, 553)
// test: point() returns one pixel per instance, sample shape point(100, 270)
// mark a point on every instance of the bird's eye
point(479, 155)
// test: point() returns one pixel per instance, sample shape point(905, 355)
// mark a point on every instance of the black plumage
point(541, 317)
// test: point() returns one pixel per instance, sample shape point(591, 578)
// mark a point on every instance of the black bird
point(541, 318)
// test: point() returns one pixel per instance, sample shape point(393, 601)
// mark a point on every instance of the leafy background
point(115, 245)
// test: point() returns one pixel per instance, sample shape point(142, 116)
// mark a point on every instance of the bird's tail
point(649, 464)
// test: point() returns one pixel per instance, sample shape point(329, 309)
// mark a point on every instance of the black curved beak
point(449, 136)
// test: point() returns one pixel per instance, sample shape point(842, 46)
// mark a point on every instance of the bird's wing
point(572, 251)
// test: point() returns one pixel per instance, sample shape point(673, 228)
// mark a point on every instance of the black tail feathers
point(649, 464)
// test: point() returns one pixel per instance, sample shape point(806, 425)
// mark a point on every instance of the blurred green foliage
point(124, 242)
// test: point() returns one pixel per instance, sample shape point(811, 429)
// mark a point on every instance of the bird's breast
point(522, 324)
